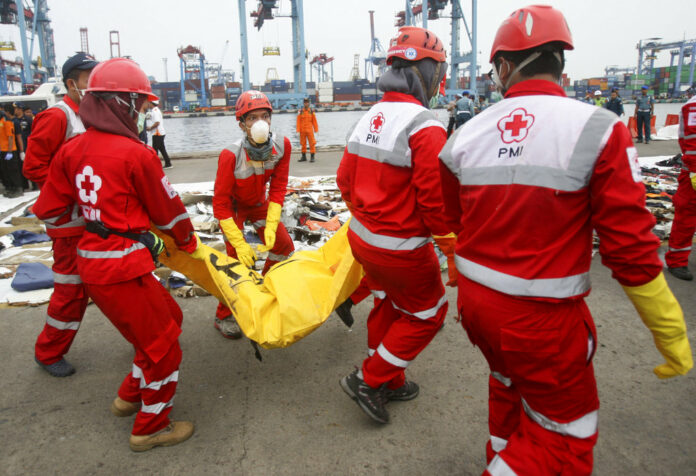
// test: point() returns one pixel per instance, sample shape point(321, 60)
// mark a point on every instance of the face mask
point(141, 122)
point(502, 88)
point(260, 132)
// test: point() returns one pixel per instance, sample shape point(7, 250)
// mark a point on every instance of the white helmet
point(598, 93)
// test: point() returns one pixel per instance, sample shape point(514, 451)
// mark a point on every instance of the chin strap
point(518, 68)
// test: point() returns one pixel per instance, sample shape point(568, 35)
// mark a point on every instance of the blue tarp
point(30, 276)
point(24, 237)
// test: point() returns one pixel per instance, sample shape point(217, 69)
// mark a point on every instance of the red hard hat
point(120, 75)
point(249, 101)
point(413, 43)
point(532, 26)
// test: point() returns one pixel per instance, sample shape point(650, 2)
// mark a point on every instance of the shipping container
point(218, 102)
point(346, 97)
point(369, 91)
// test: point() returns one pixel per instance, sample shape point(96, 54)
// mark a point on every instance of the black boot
point(311, 159)
point(303, 158)
point(344, 313)
point(681, 272)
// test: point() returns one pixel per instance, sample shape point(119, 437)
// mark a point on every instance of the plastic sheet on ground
point(294, 298)
point(667, 133)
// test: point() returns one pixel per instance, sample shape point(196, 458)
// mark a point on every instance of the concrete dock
point(287, 415)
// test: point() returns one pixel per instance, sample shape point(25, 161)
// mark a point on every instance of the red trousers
point(308, 137)
point(281, 250)
point(410, 306)
point(682, 235)
point(150, 319)
point(542, 392)
point(67, 305)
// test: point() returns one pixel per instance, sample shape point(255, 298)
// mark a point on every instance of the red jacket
point(48, 132)
point(526, 181)
point(687, 134)
point(241, 182)
point(389, 174)
point(118, 181)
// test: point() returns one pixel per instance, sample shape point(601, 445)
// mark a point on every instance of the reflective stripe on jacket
point(525, 183)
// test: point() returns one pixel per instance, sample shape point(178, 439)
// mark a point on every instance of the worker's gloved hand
point(245, 253)
point(153, 243)
point(272, 220)
point(692, 176)
point(202, 251)
point(661, 313)
point(446, 244)
point(8, 156)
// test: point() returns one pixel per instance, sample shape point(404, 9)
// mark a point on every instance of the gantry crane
point(319, 62)
point(263, 13)
point(192, 69)
point(684, 49)
point(34, 20)
point(433, 7)
point(377, 56)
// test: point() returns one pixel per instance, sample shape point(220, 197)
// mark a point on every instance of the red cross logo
point(88, 184)
point(515, 126)
point(376, 123)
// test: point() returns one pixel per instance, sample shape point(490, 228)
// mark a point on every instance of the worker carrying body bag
point(294, 297)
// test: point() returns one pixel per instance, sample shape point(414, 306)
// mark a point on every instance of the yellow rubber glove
point(245, 254)
point(272, 220)
point(446, 243)
point(661, 313)
point(693, 180)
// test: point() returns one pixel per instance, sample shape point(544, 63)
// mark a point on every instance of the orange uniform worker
point(307, 126)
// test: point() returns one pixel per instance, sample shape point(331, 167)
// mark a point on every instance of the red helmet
point(249, 101)
point(532, 26)
point(413, 43)
point(120, 75)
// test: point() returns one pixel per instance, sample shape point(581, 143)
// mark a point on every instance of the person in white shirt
point(156, 128)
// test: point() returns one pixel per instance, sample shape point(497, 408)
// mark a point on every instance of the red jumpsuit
point(525, 182)
point(240, 193)
point(66, 309)
point(682, 235)
point(389, 179)
point(119, 181)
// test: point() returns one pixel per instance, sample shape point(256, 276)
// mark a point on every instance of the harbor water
point(211, 134)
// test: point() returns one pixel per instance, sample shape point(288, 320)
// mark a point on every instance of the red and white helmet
point(530, 27)
point(413, 43)
point(250, 101)
point(120, 75)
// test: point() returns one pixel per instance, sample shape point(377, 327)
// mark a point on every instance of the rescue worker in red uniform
point(306, 127)
point(682, 235)
point(390, 181)
point(118, 183)
point(66, 308)
point(245, 169)
point(525, 182)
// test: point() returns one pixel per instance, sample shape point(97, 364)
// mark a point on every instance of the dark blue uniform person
point(614, 104)
point(644, 110)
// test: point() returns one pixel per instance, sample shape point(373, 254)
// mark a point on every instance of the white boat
point(44, 97)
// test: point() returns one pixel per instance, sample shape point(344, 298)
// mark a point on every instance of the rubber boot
point(311, 159)
point(303, 158)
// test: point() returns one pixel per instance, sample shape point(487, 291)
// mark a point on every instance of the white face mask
point(260, 131)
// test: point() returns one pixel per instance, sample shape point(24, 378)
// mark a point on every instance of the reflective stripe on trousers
point(499, 467)
point(384, 241)
point(515, 286)
point(63, 326)
point(583, 427)
point(157, 384)
point(66, 278)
